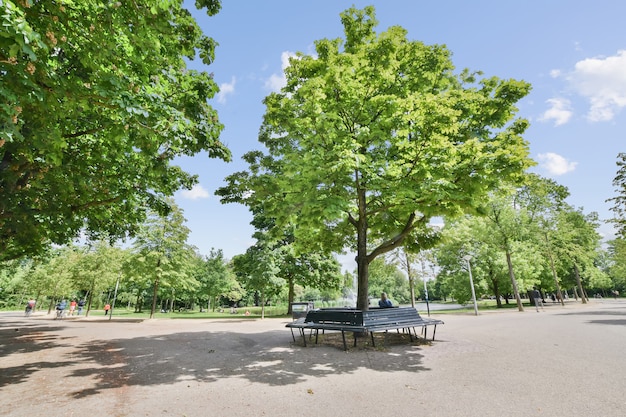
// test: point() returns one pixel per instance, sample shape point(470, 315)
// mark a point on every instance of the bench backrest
point(390, 315)
point(335, 316)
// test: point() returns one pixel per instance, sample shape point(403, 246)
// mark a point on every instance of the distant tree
point(617, 263)
point(96, 104)
point(217, 279)
point(579, 244)
point(411, 257)
point(375, 135)
point(619, 201)
point(52, 275)
point(544, 200)
point(310, 268)
point(258, 269)
point(96, 269)
point(161, 255)
point(386, 277)
point(470, 235)
point(15, 279)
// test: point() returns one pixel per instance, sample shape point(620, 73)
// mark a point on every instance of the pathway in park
point(562, 361)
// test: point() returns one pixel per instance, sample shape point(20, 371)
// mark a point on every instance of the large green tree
point(578, 243)
point(374, 135)
point(162, 258)
point(96, 102)
point(259, 270)
point(217, 279)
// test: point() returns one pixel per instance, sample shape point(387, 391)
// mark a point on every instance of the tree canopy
point(97, 101)
point(373, 136)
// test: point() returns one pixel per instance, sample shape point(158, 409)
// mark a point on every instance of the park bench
point(361, 322)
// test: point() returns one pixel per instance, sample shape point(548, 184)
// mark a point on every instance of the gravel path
point(562, 361)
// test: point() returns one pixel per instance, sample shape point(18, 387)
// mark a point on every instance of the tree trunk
point(138, 303)
point(362, 298)
point(409, 272)
point(579, 282)
point(559, 294)
point(496, 292)
point(90, 300)
point(291, 294)
point(520, 307)
point(155, 289)
point(362, 261)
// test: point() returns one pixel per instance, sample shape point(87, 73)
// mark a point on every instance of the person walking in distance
point(107, 307)
point(30, 306)
point(81, 305)
point(60, 308)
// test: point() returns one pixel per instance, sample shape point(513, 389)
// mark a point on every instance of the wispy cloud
point(226, 89)
point(196, 192)
point(555, 164)
point(277, 81)
point(602, 81)
point(559, 111)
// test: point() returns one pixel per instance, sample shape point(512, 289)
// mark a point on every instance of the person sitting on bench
point(384, 302)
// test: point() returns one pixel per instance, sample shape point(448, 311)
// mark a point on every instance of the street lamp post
point(469, 269)
point(426, 297)
point(425, 287)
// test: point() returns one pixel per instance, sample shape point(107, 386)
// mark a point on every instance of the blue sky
point(573, 52)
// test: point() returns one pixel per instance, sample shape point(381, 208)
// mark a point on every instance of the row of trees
point(528, 237)
point(162, 271)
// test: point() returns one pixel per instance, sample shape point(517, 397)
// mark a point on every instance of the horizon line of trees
point(551, 246)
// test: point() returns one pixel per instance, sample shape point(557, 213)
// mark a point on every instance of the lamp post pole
point(469, 269)
point(425, 287)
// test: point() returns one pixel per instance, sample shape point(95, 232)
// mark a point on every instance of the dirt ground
point(562, 361)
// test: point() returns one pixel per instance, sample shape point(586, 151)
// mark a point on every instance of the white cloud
point(226, 89)
point(277, 81)
point(196, 192)
point(555, 73)
point(602, 81)
point(559, 111)
point(555, 164)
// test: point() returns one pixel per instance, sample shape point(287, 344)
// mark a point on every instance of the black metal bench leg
point(434, 331)
point(373, 343)
point(343, 336)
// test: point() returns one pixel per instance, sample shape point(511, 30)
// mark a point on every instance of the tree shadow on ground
point(604, 312)
point(25, 340)
point(270, 358)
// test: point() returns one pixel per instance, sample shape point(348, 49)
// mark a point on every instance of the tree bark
point(520, 307)
point(556, 279)
point(155, 290)
point(291, 294)
point(583, 295)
